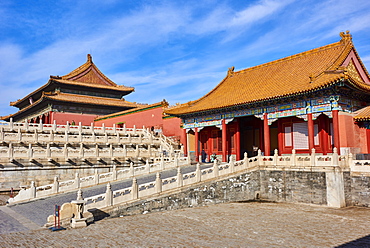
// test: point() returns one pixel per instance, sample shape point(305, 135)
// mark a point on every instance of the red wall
point(62, 118)
point(148, 118)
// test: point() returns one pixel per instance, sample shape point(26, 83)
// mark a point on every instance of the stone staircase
point(32, 147)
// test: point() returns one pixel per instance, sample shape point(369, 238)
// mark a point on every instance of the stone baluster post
point(65, 136)
point(65, 150)
point(56, 185)
point(80, 127)
point(106, 138)
point(19, 135)
point(161, 164)
point(147, 166)
point(134, 129)
point(129, 139)
point(335, 157)
point(80, 136)
point(293, 158)
point(82, 155)
point(200, 158)
point(118, 138)
point(198, 173)
point(92, 128)
point(114, 129)
point(180, 180)
point(77, 181)
point(137, 151)
point(27, 127)
point(54, 125)
point(313, 157)
point(108, 196)
point(124, 151)
point(11, 124)
point(151, 138)
point(111, 155)
point(48, 151)
point(246, 160)
point(103, 127)
point(93, 137)
point(132, 170)
point(2, 134)
point(135, 189)
point(96, 150)
point(140, 139)
point(158, 183)
point(124, 129)
point(11, 152)
point(350, 160)
point(32, 190)
point(67, 127)
point(276, 157)
point(51, 136)
point(149, 150)
point(215, 168)
point(30, 152)
point(96, 177)
point(259, 157)
point(41, 127)
point(232, 164)
point(36, 137)
point(114, 172)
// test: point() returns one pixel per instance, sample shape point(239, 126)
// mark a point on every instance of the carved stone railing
point(57, 128)
point(333, 164)
point(40, 142)
point(34, 192)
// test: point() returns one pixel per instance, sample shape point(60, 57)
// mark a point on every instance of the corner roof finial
point(89, 58)
point(346, 36)
point(230, 71)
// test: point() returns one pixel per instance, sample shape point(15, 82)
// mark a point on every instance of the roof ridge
point(88, 64)
point(318, 49)
point(231, 72)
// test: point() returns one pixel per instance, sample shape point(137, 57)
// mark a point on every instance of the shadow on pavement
point(361, 242)
point(98, 214)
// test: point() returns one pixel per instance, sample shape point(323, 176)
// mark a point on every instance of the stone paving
point(37, 211)
point(250, 224)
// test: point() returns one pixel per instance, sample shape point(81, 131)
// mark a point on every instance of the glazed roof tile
point(362, 114)
point(74, 98)
point(303, 72)
point(94, 100)
point(87, 75)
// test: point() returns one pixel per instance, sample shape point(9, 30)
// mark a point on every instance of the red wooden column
point(196, 145)
point(336, 129)
point(266, 135)
point(185, 142)
point(237, 139)
point(224, 141)
point(311, 132)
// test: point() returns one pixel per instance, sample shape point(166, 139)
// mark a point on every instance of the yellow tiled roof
point(362, 114)
point(94, 100)
point(303, 72)
point(86, 75)
point(74, 98)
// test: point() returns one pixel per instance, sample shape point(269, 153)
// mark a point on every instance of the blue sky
point(176, 50)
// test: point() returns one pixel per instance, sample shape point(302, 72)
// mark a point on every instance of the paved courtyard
point(250, 224)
